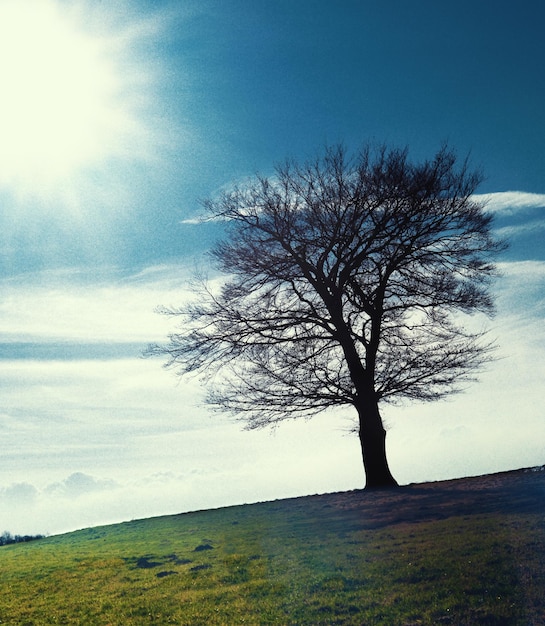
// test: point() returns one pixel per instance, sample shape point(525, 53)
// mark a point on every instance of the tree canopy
point(346, 283)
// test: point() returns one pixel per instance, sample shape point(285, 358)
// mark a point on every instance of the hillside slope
point(466, 551)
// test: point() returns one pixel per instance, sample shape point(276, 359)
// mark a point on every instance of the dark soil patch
point(144, 563)
point(173, 558)
point(203, 546)
point(198, 568)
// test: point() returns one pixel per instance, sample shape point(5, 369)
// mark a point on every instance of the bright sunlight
point(70, 101)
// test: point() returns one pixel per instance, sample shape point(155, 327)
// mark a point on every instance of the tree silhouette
point(346, 283)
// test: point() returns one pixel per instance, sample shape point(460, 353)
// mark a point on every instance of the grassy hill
point(469, 551)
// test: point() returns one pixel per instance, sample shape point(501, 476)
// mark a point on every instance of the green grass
point(317, 560)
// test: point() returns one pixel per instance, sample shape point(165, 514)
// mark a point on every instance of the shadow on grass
point(518, 492)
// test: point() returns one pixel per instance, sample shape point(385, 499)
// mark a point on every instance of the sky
point(118, 118)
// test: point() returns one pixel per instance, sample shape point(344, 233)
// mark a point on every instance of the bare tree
point(346, 281)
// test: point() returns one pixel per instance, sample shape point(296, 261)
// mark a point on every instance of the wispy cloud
point(511, 202)
point(521, 295)
point(516, 230)
point(522, 282)
point(193, 221)
point(70, 308)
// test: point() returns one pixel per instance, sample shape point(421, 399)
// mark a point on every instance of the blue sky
point(110, 139)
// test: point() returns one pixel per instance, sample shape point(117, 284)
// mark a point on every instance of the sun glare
point(68, 100)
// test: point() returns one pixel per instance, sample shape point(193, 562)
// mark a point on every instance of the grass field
point(461, 552)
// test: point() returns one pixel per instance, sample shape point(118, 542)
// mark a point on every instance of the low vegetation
point(459, 552)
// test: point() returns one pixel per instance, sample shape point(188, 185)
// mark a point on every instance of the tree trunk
point(373, 446)
point(371, 431)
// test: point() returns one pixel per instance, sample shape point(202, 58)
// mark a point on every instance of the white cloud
point(193, 221)
point(18, 494)
point(511, 202)
point(70, 307)
point(515, 230)
point(79, 484)
point(521, 292)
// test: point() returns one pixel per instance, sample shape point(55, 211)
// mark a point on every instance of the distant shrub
point(7, 538)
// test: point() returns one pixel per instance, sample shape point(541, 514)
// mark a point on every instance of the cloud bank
point(89, 439)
